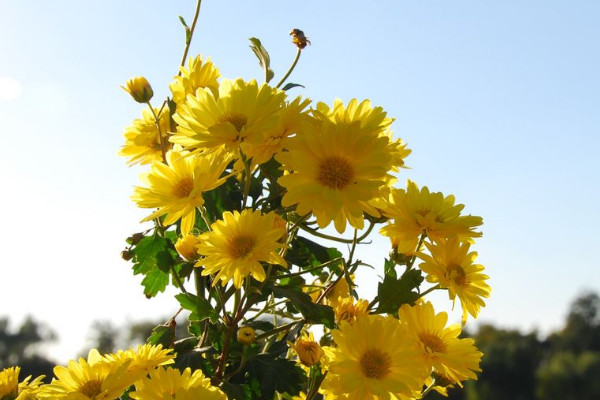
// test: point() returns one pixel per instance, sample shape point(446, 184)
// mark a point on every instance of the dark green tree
point(20, 347)
point(570, 376)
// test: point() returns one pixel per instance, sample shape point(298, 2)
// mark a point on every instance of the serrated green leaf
point(163, 334)
point(236, 391)
point(155, 281)
point(290, 85)
point(275, 374)
point(392, 292)
point(164, 261)
point(263, 58)
point(145, 253)
point(315, 313)
point(201, 308)
point(389, 268)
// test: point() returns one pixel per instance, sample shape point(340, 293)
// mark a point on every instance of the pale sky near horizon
point(499, 102)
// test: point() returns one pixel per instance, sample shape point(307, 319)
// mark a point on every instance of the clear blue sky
point(499, 101)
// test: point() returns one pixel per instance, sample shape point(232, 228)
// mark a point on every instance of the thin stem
point(431, 289)
point(176, 278)
point(188, 39)
point(414, 257)
point(160, 134)
point(315, 232)
point(279, 329)
point(325, 264)
point(291, 68)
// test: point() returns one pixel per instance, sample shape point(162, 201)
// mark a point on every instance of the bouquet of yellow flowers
point(249, 191)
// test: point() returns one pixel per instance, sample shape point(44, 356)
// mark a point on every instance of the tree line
point(564, 365)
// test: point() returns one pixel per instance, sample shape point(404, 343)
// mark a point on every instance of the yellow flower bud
point(186, 247)
point(139, 88)
point(309, 351)
point(299, 39)
point(246, 335)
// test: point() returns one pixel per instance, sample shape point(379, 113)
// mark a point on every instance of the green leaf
point(164, 261)
point(145, 253)
point(288, 86)
point(155, 281)
point(392, 292)
point(263, 58)
point(315, 313)
point(236, 391)
point(275, 374)
point(305, 253)
point(201, 308)
point(163, 334)
point(227, 197)
point(183, 21)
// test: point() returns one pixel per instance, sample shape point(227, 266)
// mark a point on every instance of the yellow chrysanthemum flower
point(370, 119)
point(236, 246)
point(12, 389)
point(94, 379)
point(171, 384)
point(176, 188)
point(440, 345)
point(292, 120)
point(187, 245)
point(335, 170)
point(199, 74)
point(142, 359)
point(239, 116)
point(142, 140)
point(415, 212)
point(9, 382)
point(346, 309)
point(375, 359)
point(309, 352)
point(451, 265)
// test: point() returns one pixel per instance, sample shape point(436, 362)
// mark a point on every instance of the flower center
point(432, 343)
point(335, 172)
point(457, 274)
point(183, 188)
point(237, 120)
point(375, 364)
point(242, 245)
point(91, 388)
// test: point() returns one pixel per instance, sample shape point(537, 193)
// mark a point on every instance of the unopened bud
point(135, 238)
point(139, 88)
point(309, 352)
point(126, 255)
point(246, 335)
point(299, 39)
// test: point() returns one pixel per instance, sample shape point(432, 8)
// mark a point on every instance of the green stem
point(315, 232)
point(414, 257)
point(291, 68)
point(188, 39)
point(279, 329)
point(325, 264)
point(160, 134)
point(431, 289)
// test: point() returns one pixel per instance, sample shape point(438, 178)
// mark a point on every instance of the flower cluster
point(247, 188)
point(143, 373)
point(237, 171)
